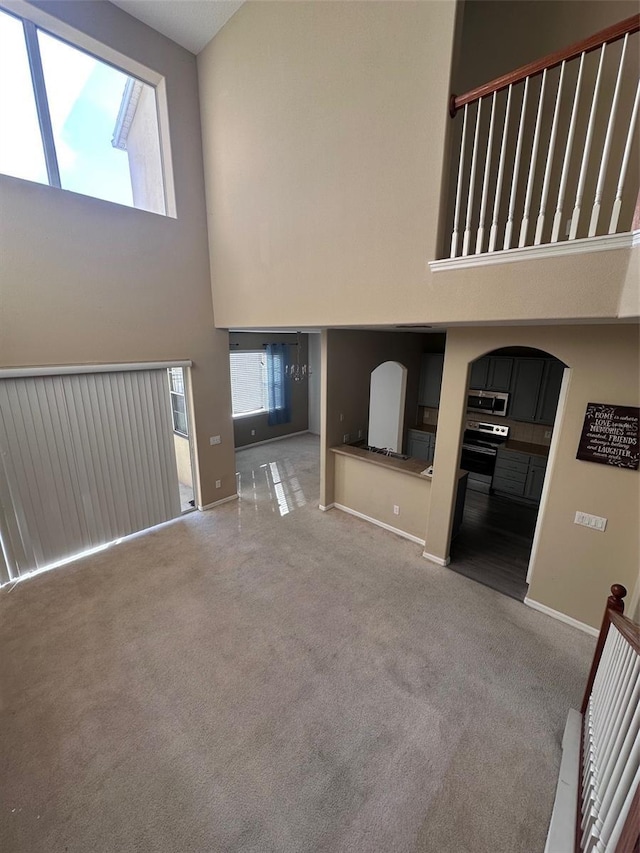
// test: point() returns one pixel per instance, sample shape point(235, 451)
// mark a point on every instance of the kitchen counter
point(525, 447)
point(392, 493)
point(411, 466)
point(432, 428)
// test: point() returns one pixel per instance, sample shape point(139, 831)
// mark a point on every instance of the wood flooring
point(494, 543)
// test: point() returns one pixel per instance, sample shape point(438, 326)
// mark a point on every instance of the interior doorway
point(512, 404)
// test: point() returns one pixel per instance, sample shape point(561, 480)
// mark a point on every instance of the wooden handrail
point(551, 60)
point(615, 604)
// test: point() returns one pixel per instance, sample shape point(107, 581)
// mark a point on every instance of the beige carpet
point(267, 677)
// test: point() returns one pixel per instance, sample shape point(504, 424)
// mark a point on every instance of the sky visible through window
point(84, 98)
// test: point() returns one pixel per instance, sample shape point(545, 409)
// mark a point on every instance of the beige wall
point(87, 281)
point(183, 460)
point(243, 427)
point(324, 128)
point(373, 491)
point(349, 358)
point(574, 566)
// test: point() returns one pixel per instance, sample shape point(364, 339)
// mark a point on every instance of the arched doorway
point(512, 407)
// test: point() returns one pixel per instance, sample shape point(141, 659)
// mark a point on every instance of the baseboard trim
point(382, 524)
point(326, 508)
point(561, 617)
point(219, 503)
point(439, 561)
point(270, 440)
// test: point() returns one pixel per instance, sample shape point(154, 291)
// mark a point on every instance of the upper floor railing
point(549, 152)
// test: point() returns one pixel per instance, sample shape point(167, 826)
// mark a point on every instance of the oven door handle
point(482, 450)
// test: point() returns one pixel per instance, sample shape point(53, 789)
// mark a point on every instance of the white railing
point(550, 143)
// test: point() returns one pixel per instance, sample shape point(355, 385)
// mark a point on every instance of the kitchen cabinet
point(549, 392)
point(431, 379)
point(535, 390)
point(421, 445)
point(527, 380)
point(491, 373)
point(520, 475)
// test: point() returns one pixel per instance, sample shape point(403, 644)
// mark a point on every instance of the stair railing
point(591, 114)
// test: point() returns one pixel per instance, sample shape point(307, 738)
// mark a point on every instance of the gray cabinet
point(527, 379)
point(535, 390)
point(520, 475)
point(549, 392)
point(491, 373)
point(431, 379)
point(421, 445)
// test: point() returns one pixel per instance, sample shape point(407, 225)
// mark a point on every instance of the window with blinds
point(248, 382)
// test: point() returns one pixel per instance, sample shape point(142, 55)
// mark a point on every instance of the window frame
point(33, 18)
point(183, 394)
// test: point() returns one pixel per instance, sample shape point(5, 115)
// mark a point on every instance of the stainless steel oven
point(479, 451)
point(490, 402)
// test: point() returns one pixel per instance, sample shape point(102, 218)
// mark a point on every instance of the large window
point(248, 382)
point(75, 122)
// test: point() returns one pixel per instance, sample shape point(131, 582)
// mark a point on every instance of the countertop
point(510, 444)
point(413, 467)
point(425, 428)
point(525, 447)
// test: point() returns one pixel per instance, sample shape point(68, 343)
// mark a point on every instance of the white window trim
point(105, 53)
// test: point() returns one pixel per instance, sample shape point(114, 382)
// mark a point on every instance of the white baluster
point(493, 234)
point(547, 170)
point(524, 226)
point(617, 204)
point(516, 168)
point(595, 213)
point(485, 182)
point(472, 183)
point(577, 208)
point(557, 219)
point(456, 214)
point(623, 812)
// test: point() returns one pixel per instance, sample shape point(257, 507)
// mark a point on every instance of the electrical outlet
point(341, 417)
point(253, 432)
point(594, 522)
point(547, 433)
point(214, 439)
point(360, 433)
point(218, 483)
point(396, 510)
point(346, 438)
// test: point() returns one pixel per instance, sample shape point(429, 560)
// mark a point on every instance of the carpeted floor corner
point(268, 678)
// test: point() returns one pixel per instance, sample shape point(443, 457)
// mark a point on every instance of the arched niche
point(386, 405)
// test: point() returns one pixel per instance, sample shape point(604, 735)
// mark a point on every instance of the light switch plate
point(595, 522)
point(214, 439)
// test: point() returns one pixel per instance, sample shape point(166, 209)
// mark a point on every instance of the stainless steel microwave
point(490, 402)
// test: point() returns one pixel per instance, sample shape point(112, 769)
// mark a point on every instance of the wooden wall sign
point(610, 435)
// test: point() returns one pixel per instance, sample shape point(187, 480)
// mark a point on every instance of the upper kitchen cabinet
point(431, 379)
point(535, 390)
point(492, 373)
point(549, 392)
point(525, 392)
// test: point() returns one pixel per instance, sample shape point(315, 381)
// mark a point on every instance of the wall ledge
point(606, 242)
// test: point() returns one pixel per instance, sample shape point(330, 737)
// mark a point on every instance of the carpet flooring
point(268, 678)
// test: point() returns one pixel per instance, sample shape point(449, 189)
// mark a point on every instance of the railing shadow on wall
point(548, 153)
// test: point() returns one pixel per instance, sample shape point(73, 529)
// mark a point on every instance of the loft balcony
point(545, 159)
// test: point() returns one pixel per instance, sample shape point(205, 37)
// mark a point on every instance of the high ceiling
point(190, 23)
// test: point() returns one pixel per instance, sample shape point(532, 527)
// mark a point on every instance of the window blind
point(248, 381)
point(86, 459)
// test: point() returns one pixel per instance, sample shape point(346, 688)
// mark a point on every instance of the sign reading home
point(610, 435)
